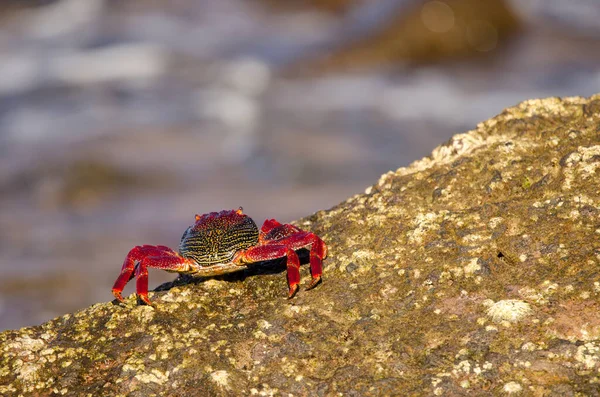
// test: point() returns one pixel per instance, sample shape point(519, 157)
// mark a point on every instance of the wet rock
point(490, 287)
point(78, 184)
point(333, 6)
point(424, 32)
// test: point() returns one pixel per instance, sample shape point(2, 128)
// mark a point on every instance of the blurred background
point(120, 120)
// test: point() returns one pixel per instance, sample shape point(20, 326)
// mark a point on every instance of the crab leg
point(172, 262)
point(141, 280)
point(134, 256)
point(274, 251)
point(146, 256)
point(318, 251)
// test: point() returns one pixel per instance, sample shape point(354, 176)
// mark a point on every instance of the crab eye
point(197, 217)
point(239, 211)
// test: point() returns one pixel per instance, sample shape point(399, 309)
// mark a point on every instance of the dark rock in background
point(333, 6)
point(426, 32)
point(472, 271)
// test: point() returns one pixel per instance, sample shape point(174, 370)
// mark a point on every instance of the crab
point(225, 242)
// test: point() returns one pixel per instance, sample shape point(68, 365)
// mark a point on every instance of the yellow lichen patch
point(425, 223)
point(235, 291)
point(116, 319)
point(193, 333)
point(362, 258)
point(472, 267)
point(143, 313)
point(177, 295)
point(259, 334)
point(214, 284)
point(264, 324)
point(538, 296)
point(221, 378)
point(512, 388)
point(377, 219)
point(580, 165)
point(26, 343)
point(588, 355)
point(216, 347)
point(474, 238)
point(28, 372)
point(153, 376)
point(388, 291)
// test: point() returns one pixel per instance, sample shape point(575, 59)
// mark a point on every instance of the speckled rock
point(473, 271)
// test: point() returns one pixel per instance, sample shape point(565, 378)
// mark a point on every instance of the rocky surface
point(473, 271)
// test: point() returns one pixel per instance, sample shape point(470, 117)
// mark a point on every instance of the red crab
point(224, 242)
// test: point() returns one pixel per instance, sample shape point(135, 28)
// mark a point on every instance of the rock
point(424, 32)
point(472, 271)
point(332, 6)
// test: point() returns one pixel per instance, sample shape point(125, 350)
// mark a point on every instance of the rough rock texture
point(474, 271)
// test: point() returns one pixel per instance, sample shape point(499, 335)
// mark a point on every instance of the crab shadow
point(272, 266)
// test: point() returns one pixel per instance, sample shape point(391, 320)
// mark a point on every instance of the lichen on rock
point(474, 270)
